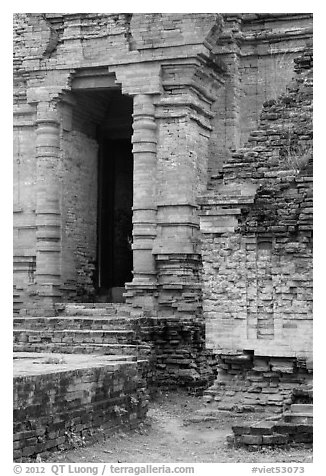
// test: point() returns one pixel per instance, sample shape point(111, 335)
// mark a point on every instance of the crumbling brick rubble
point(257, 255)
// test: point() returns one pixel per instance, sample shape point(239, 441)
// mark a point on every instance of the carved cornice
point(202, 76)
point(242, 30)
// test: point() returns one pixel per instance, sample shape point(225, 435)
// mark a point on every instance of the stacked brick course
point(179, 356)
point(257, 253)
point(59, 407)
point(246, 383)
point(258, 51)
point(174, 348)
point(295, 426)
point(196, 85)
point(79, 215)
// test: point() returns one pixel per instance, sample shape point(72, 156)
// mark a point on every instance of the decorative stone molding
point(48, 208)
point(144, 142)
point(144, 209)
point(138, 78)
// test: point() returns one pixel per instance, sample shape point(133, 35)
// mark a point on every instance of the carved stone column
point(48, 208)
point(144, 207)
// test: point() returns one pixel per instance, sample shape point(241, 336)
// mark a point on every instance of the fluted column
point(48, 208)
point(144, 207)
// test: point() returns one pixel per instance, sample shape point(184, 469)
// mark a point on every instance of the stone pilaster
point(183, 114)
point(144, 142)
point(48, 213)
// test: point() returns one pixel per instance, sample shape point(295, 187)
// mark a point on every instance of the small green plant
point(75, 439)
point(297, 158)
point(119, 411)
point(133, 400)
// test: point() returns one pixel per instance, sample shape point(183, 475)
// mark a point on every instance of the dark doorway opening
point(115, 262)
point(104, 114)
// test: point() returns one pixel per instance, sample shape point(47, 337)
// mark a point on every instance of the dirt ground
point(173, 432)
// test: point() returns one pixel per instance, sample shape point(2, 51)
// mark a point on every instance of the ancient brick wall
point(53, 411)
point(24, 202)
point(257, 51)
point(49, 49)
point(178, 354)
point(79, 214)
point(246, 382)
point(257, 236)
point(79, 197)
point(24, 169)
point(78, 183)
point(197, 87)
point(178, 65)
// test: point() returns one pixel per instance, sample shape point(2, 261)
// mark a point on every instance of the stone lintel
point(138, 78)
point(94, 81)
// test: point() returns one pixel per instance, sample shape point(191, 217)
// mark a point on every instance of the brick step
point(297, 432)
point(305, 418)
point(75, 323)
point(103, 349)
point(74, 336)
point(93, 309)
point(87, 328)
point(269, 432)
point(302, 408)
point(51, 356)
point(291, 428)
point(88, 305)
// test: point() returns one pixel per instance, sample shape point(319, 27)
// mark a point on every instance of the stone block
point(275, 439)
point(243, 429)
point(251, 439)
point(302, 437)
point(262, 428)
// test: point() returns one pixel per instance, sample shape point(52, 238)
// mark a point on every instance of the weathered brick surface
point(79, 214)
point(174, 348)
point(246, 383)
point(179, 355)
point(53, 410)
point(183, 64)
point(257, 248)
point(278, 432)
point(197, 83)
point(258, 50)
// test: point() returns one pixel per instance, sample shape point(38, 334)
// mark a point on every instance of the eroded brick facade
point(221, 216)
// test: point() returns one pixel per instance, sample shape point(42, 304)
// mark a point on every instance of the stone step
point(304, 418)
point(74, 336)
point(103, 349)
point(302, 408)
point(70, 322)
